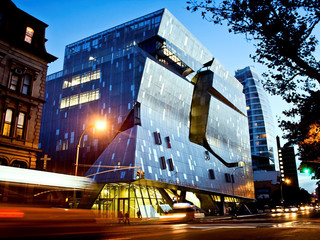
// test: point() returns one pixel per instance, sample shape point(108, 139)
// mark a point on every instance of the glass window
point(7, 122)
point(74, 100)
point(72, 137)
point(20, 125)
point(29, 34)
point(75, 80)
point(26, 84)
point(14, 82)
point(84, 97)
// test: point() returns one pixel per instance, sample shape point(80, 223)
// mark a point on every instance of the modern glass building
point(177, 125)
point(261, 127)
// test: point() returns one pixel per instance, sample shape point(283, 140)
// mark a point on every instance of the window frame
point(23, 126)
point(23, 84)
point(7, 123)
point(28, 36)
point(17, 80)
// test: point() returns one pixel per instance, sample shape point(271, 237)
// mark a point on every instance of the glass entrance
point(123, 205)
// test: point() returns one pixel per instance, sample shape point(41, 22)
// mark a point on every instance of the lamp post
point(287, 181)
point(240, 165)
point(98, 125)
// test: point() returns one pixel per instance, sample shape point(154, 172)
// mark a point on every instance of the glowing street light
point(100, 125)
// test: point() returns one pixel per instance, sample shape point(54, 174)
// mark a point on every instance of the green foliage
point(305, 132)
point(283, 33)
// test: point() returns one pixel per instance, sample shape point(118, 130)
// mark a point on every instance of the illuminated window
point(74, 100)
point(78, 99)
point(85, 78)
point(82, 78)
point(29, 34)
point(75, 81)
point(7, 122)
point(65, 145)
point(93, 95)
point(263, 135)
point(64, 102)
point(20, 125)
point(84, 97)
point(66, 84)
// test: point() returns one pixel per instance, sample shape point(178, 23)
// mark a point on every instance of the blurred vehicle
point(42, 223)
point(277, 209)
point(46, 213)
point(291, 209)
point(181, 212)
point(306, 208)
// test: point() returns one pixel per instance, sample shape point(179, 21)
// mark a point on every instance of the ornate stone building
point(23, 70)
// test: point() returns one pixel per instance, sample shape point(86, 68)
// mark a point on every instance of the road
point(282, 226)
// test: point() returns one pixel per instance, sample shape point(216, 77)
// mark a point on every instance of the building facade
point(23, 70)
point(176, 120)
point(261, 126)
point(287, 164)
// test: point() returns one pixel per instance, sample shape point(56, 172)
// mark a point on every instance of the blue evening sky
point(72, 20)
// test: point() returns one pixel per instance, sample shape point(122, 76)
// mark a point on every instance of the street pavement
point(293, 226)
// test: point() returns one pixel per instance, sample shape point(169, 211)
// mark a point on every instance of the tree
point(283, 33)
point(306, 130)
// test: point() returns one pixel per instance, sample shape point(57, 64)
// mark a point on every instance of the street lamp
point(240, 165)
point(286, 181)
point(98, 125)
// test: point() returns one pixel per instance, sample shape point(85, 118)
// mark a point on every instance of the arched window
point(3, 162)
point(19, 164)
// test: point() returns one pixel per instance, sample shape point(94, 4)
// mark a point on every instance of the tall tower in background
point(287, 164)
point(261, 127)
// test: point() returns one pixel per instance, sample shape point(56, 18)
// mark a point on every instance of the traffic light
point(305, 168)
point(138, 174)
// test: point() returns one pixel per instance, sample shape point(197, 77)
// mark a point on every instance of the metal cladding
point(179, 116)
